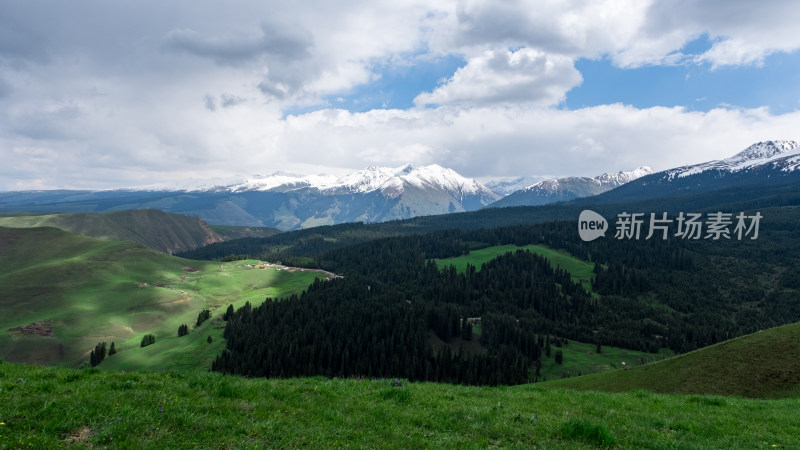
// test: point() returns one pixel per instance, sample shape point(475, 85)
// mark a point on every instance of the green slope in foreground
point(45, 407)
point(763, 365)
point(61, 294)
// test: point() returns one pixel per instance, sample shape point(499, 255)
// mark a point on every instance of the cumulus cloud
point(743, 32)
point(632, 33)
point(503, 77)
point(109, 94)
point(528, 141)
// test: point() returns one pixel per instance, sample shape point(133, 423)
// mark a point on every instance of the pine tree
point(183, 330)
point(210, 339)
point(202, 317)
point(98, 354)
point(228, 313)
point(148, 339)
point(559, 357)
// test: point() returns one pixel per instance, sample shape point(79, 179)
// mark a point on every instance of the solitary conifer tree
point(228, 313)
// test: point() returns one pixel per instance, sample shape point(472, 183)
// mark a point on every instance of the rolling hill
point(758, 365)
point(169, 233)
point(63, 293)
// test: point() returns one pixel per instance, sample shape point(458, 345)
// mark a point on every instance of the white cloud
point(505, 77)
point(744, 32)
point(734, 52)
point(108, 94)
point(501, 141)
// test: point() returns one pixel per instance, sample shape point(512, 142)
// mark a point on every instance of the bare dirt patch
point(38, 328)
point(184, 298)
point(79, 436)
point(191, 269)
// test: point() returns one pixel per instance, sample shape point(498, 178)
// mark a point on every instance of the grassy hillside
point(580, 358)
point(63, 293)
point(54, 407)
point(169, 233)
point(762, 364)
point(580, 271)
point(230, 232)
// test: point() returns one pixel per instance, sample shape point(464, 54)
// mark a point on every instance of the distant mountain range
point(763, 163)
point(380, 194)
point(509, 185)
point(569, 188)
point(284, 201)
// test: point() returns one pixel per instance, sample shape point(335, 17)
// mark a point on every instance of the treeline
point(361, 326)
point(393, 305)
point(297, 247)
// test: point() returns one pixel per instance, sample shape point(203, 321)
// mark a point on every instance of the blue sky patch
point(776, 85)
point(396, 88)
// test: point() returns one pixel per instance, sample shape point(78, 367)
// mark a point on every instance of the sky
point(106, 94)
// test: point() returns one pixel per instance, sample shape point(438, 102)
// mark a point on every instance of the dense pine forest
point(395, 314)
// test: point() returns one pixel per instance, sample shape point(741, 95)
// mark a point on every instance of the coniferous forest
point(394, 313)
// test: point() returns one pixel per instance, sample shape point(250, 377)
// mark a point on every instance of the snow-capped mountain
point(764, 163)
point(388, 180)
point(286, 201)
point(508, 185)
point(781, 155)
point(570, 188)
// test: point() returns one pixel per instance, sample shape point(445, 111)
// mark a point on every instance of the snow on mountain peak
point(392, 181)
point(609, 180)
point(767, 149)
point(622, 177)
point(756, 155)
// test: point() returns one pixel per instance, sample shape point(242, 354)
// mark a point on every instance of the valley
point(503, 309)
point(400, 225)
point(88, 291)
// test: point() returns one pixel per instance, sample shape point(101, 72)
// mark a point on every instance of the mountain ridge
point(569, 188)
point(773, 162)
point(165, 232)
point(374, 194)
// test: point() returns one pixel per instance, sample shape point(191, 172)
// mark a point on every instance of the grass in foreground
point(580, 271)
point(54, 407)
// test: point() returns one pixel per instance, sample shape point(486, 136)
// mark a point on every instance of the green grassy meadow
point(759, 365)
point(580, 271)
point(47, 407)
point(87, 290)
point(582, 359)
